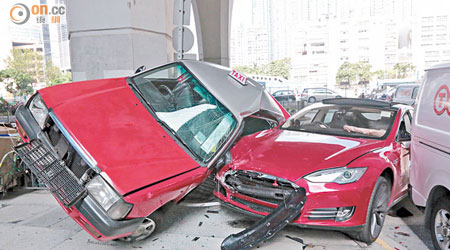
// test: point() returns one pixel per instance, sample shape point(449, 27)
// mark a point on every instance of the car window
point(329, 115)
point(404, 92)
point(344, 121)
point(415, 91)
point(407, 119)
point(187, 109)
point(253, 124)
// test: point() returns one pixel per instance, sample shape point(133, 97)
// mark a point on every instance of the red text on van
point(441, 100)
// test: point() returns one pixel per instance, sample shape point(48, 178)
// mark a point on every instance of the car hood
point(292, 155)
point(128, 144)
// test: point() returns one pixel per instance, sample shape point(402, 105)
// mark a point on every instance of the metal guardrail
point(7, 119)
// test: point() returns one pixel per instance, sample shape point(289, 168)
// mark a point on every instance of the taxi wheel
point(440, 224)
point(312, 99)
point(376, 213)
point(148, 227)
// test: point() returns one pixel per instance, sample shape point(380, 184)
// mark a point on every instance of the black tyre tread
point(363, 235)
point(441, 203)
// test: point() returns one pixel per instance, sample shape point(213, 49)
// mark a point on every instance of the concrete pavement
point(34, 220)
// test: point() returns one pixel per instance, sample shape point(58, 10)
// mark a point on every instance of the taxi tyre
point(153, 224)
point(441, 204)
point(378, 205)
point(312, 99)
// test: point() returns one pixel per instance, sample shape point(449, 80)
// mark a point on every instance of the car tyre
point(376, 213)
point(440, 224)
point(151, 225)
point(338, 96)
point(312, 99)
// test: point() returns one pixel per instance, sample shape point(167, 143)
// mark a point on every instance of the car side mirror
point(224, 160)
point(404, 137)
point(140, 69)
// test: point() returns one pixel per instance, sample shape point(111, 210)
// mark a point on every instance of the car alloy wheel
point(312, 100)
point(148, 227)
point(144, 230)
point(379, 211)
point(442, 228)
point(376, 212)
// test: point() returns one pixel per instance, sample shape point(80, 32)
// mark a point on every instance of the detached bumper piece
point(52, 172)
point(269, 225)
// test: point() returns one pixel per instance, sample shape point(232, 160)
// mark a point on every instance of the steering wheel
point(170, 96)
point(180, 86)
point(322, 125)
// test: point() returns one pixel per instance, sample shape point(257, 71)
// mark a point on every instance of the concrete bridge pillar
point(112, 38)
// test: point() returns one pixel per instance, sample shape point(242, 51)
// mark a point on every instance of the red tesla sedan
point(350, 155)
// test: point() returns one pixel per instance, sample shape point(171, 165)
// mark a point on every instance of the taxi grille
point(52, 172)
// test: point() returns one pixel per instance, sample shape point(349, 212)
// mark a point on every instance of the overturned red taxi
point(114, 152)
point(350, 155)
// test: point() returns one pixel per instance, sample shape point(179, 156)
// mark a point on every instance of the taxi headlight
point(39, 110)
point(108, 198)
point(337, 175)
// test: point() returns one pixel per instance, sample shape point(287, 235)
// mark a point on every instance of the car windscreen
point(182, 104)
point(349, 121)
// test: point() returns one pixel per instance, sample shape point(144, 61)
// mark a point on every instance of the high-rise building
point(432, 39)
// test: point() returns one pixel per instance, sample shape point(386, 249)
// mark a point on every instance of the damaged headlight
point(39, 110)
point(337, 175)
point(108, 198)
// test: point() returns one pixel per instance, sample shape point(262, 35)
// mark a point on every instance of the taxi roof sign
point(241, 78)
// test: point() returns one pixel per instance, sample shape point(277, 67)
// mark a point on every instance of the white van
point(430, 153)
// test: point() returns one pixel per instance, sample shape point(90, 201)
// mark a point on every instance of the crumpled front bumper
point(269, 225)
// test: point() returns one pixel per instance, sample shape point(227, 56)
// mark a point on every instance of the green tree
point(54, 76)
point(279, 68)
point(17, 82)
point(23, 68)
point(402, 70)
point(346, 73)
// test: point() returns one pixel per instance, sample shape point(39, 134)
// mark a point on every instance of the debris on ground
point(299, 240)
point(196, 238)
point(200, 224)
point(14, 222)
point(206, 216)
point(402, 234)
point(212, 212)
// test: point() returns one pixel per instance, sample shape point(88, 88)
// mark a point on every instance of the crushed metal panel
point(269, 225)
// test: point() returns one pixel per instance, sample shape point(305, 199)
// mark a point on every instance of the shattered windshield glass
point(187, 109)
point(360, 122)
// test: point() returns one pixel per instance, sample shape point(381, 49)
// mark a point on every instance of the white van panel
point(430, 154)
